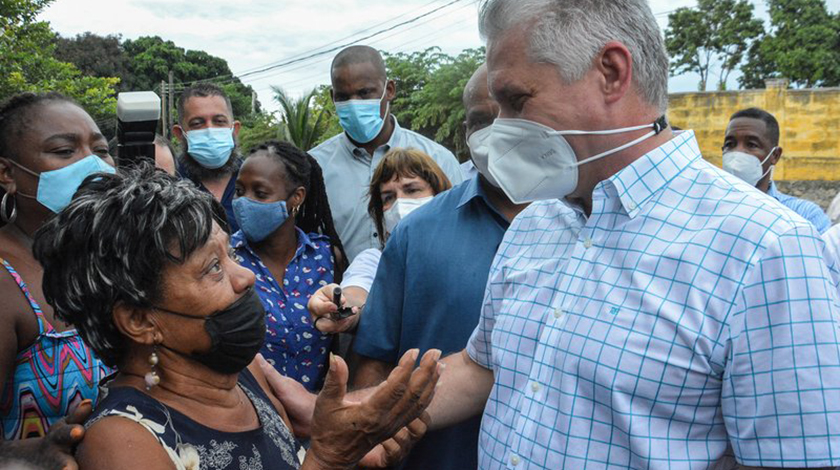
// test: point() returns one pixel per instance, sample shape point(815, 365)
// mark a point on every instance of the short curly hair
point(110, 246)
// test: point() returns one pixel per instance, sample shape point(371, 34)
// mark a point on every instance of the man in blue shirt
point(208, 138)
point(362, 94)
point(435, 264)
point(751, 150)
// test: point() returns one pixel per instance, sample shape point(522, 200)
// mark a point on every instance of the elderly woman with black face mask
point(141, 264)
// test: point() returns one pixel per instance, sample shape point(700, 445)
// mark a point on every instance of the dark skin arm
point(137, 447)
point(371, 372)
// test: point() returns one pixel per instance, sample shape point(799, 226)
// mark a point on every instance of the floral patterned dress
point(292, 345)
point(192, 446)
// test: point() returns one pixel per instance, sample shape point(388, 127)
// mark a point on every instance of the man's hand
point(343, 432)
point(59, 443)
point(321, 308)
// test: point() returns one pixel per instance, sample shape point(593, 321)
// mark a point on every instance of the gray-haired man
point(649, 310)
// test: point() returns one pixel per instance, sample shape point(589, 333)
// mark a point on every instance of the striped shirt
point(809, 211)
point(688, 322)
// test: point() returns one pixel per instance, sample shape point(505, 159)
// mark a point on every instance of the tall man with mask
point(362, 95)
point(430, 282)
point(208, 134)
point(650, 310)
point(751, 151)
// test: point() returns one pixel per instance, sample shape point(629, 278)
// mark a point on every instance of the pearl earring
point(152, 378)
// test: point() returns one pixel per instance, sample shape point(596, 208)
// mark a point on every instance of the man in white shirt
point(362, 94)
point(649, 310)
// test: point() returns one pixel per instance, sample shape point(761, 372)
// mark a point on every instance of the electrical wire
point(286, 63)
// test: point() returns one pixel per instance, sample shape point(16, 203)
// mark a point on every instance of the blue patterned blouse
point(292, 345)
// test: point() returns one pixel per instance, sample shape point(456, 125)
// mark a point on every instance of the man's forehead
point(206, 106)
point(357, 72)
point(747, 126)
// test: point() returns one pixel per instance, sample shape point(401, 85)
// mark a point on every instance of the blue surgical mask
point(258, 220)
point(57, 187)
point(362, 119)
point(210, 147)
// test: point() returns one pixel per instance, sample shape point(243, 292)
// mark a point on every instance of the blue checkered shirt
point(689, 322)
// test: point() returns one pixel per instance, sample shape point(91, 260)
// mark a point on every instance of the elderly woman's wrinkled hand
point(394, 450)
point(343, 432)
point(322, 308)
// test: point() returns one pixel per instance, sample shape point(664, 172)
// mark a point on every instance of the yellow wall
point(809, 122)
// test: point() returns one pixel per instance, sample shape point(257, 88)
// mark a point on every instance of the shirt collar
point(639, 181)
point(239, 242)
point(472, 190)
point(773, 191)
point(359, 152)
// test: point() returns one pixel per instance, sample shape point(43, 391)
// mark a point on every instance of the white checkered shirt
point(690, 321)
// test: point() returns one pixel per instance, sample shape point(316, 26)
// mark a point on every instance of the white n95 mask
point(533, 162)
point(746, 166)
point(479, 152)
point(400, 210)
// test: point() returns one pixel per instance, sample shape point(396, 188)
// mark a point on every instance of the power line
point(361, 31)
point(378, 40)
point(440, 31)
point(327, 51)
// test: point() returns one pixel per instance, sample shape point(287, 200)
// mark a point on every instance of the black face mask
point(236, 334)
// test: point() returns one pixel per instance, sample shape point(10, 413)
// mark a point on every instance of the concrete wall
point(809, 122)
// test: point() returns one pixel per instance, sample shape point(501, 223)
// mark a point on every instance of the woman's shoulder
point(127, 402)
point(128, 420)
point(319, 242)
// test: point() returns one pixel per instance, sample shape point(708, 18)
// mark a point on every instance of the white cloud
point(252, 34)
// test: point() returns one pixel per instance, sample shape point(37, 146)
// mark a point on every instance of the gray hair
point(570, 33)
point(110, 245)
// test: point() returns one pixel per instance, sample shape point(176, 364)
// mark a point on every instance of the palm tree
point(298, 125)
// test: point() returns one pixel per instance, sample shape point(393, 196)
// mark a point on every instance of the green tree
point(95, 56)
point(715, 33)
point(803, 45)
point(28, 63)
point(411, 72)
point(258, 129)
point(299, 124)
point(151, 58)
point(323, 103)
point(438, 108)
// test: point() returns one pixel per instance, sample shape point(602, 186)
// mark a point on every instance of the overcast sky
point(254, 34)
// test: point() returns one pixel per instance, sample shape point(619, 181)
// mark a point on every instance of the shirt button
point(535, 387)
point(558, 313)
point(375, 235)
point(514, 460)
point(587, 243)
point(631, 206)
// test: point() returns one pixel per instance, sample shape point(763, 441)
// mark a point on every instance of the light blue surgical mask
point(57, 187)
point(362, 119)
point(258, 220)
point(210, 147)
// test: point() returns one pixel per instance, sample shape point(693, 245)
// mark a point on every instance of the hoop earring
point(9, 219)
point(152, 378)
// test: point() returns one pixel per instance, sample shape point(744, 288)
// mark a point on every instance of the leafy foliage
point(437, 109)
point(300, 123)
point(715, 33)
point(803, 45)
point(28, 63)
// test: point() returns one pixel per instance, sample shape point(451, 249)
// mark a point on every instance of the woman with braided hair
point(287, 239)
point(48, 146)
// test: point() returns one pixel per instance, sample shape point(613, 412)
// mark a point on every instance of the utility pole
point(171, 97)
point(163, 129)
point(253, 102)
